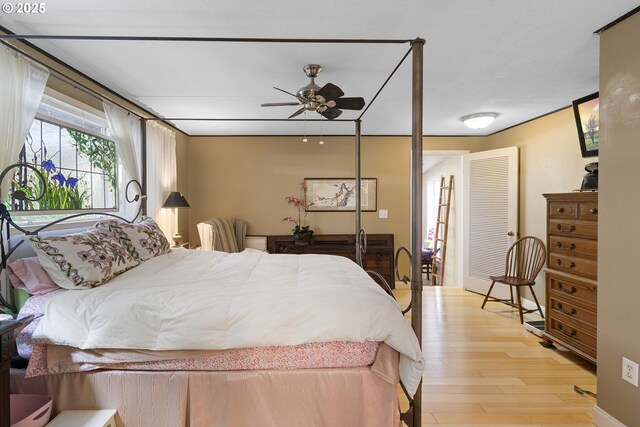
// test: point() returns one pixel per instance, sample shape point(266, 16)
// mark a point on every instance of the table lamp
point(176, 201)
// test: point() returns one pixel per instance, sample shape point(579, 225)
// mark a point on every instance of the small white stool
point(92, 418)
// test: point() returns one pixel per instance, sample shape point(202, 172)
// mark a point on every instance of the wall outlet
point(630, 371)
point(383, 213)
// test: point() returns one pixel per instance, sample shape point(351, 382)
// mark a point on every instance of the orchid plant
point(301, 230)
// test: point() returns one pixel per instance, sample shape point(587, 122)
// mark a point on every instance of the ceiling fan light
point(478, 120)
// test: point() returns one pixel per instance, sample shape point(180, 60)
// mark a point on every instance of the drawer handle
point(568, 313)
point(571, 266)
point(593, 211)
point(572, 291)
point(560, 210)
point(565, 248)
point(571, 334)
point(571, 228)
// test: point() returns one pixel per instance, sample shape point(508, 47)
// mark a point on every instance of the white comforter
point(214, 300)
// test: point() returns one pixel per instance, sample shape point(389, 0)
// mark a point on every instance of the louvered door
point(490, 216)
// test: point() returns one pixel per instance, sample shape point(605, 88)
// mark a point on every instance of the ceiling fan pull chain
point(305, 128)
point(321, 142)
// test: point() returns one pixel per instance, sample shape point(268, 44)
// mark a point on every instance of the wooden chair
point(525, 259)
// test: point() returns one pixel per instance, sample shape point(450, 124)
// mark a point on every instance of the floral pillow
point(82, 260)
point(144, 239)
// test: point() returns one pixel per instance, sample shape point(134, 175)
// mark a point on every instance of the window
point(70, 146)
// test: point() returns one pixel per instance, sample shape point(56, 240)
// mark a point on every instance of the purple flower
point(71, 182)
point(48, 166)
point(60, 178)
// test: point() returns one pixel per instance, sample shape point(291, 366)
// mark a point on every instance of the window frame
point(29, 217)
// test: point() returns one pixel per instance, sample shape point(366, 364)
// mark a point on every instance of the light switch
point(383, 213)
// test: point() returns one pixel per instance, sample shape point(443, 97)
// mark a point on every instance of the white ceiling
point(521, 59)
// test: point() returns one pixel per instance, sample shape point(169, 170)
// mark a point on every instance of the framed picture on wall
point(339, 194)
point(587, 113)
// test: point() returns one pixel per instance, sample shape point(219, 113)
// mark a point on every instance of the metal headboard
point(133, 194)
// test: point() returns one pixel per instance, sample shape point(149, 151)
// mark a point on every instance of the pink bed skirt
point(361, 396)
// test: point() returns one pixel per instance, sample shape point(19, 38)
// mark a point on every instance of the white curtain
point(161, 175)
point(126, 133)
point(22, 83)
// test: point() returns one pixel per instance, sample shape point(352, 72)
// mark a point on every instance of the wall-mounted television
point(587, 113)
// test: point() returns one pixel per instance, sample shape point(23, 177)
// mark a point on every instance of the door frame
point(475, 284)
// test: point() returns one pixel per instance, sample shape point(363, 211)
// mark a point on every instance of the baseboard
point(600, 418)
point(531, 305)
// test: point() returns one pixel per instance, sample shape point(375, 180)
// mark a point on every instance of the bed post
point(417, 46)
point(358, 196)
point(143, 166)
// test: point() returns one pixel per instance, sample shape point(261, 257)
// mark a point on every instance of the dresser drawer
point(573, 228)
point(588, 211)
point(573, 246)
point(580, 266)
point(378, 263)
point(563, 210)
point(564, 289)
point(574, 265)
point(574, 335)
point(564, 310)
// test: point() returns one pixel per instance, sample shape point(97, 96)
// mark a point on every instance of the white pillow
point(144, 239)
point(82, 260)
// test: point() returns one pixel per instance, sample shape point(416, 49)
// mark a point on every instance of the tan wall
point(619, 232)
point(550, 162)
point(249, 177)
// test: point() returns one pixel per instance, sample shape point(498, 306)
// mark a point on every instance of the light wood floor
point(484, 369)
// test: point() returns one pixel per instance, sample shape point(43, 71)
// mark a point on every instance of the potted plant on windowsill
point(302, 235)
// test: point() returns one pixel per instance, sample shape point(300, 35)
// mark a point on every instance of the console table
point(379, 255)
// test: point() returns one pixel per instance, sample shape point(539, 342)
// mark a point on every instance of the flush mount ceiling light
point(478, 120)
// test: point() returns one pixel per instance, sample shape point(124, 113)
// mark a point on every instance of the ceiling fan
point(327, 100)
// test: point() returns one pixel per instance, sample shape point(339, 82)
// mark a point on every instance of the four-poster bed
point(179, 379)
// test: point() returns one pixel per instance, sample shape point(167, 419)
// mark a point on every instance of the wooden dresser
point(572, 273)
point(379, 255)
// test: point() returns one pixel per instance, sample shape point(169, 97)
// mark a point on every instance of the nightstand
point(91, 418)
point(7, 330)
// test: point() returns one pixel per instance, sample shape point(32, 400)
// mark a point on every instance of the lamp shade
point(176, 200)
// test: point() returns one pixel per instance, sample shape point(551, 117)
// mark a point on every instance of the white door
point(490, 217)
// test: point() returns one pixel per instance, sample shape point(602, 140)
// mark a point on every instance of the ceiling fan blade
point(279, 104)
point(331, 113)
point(330, 92)
point(350, 103)
point(289, 93)
point(297, 113)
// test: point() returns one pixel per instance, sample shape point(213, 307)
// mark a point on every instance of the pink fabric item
point(335, 354)
point(340, 397)
point(34, 306)
point(28, 275)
